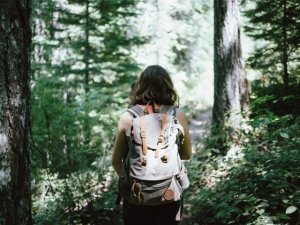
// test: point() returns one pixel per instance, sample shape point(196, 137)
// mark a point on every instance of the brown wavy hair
point(155, 85)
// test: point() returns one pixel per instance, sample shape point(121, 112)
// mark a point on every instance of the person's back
point(150, 179)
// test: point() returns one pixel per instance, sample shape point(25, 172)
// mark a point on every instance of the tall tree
point(230, 84)
point(81, 60)
point(276, 24)
point(15, 38)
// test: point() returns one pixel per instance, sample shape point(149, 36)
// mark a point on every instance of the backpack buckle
point(136, 189)
point(144, 161)
point(161, 138)
point(164, 158)
point(143, 134)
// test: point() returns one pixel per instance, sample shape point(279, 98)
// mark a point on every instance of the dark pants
point(150, 215)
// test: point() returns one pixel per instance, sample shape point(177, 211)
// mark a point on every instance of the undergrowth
point(258, 181)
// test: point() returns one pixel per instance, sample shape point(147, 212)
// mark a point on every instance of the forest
point(66, 72)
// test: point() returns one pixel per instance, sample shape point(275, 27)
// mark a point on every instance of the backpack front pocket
point(155, 192)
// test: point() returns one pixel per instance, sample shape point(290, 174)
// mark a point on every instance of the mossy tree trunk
point(15, 39)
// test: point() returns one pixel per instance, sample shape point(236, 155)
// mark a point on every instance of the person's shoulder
point(127, 115)
point(180, 114)
point(125, 121)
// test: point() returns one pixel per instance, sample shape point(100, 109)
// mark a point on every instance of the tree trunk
point(230, 84)
point(284, 47)
point(15, 39)
point(87, 47)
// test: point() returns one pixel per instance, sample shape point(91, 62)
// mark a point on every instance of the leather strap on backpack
point(149, 109)
point(161, 136)
point(143, 135)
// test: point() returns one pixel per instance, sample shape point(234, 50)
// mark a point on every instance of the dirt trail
point(199, 128)
point(200, 125)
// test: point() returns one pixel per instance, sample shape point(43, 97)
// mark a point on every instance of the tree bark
point(285, 47)
point(87, 47)
point(230, 84)
point(15, 39)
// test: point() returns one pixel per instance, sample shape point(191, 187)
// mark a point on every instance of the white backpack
point(153, 172)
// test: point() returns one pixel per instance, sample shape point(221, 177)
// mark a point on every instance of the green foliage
point(192, 53)
point(59, 140)
point(80, 198)
point(71, 147)
point(258, 181)
point(275, 27)
point(275, 98)
point(81, 76)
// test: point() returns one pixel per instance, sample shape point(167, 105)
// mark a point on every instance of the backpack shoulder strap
point(135, 111)
point(169, 109)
